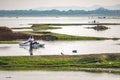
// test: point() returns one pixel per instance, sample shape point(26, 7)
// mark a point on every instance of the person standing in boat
point(31, 40)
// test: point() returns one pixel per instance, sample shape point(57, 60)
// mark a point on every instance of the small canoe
point(35, 45)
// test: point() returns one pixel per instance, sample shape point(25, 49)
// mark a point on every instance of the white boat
point(35, 45)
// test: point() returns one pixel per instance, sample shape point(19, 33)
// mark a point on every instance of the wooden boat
point(35, 45)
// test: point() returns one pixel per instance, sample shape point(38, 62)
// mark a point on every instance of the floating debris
point(74, 51)
point(8, 77)
point(62, 54)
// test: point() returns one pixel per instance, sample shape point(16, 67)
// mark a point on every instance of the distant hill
point(94, 7)
point(54, 12)
point(115, 7)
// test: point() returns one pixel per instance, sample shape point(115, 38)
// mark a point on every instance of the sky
point(31, 4)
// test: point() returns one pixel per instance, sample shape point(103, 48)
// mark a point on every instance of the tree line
point(54, 12)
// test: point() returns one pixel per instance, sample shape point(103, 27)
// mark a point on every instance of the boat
point(98, 28)
point(35, 45)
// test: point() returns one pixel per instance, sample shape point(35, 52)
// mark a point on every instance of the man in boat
point(31, 40)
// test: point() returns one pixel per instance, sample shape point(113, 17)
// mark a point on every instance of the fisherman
point(31, 40)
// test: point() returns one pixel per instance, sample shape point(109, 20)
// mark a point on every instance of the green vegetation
point(93, 62)
point(37, 27)
point(70, 37)
point(38, 33)
point(21, 28)
point(45, 35)
point(55, 36)
point(8, 42)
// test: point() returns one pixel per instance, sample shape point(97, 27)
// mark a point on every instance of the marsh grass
point(56, 36)
point(38, 31)
point(37, 27)
point(8, 42)
point(93, 62)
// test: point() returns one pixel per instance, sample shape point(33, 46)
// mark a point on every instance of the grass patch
point(56, 36)
point(37, 27)
point(8, 42)
point(93, 62)
point(21, 28)
point(70, 37)
point(49, 36)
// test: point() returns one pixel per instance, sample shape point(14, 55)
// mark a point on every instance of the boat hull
point(34, 45)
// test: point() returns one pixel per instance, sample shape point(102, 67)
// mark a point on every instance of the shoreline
point(65, 24)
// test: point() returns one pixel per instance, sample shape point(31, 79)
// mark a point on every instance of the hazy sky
point(31, 4)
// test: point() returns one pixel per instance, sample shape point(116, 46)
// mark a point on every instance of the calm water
point(72, 30)
point(54, 75)
point(114, 31)
point(66, 47)
point(25, 21)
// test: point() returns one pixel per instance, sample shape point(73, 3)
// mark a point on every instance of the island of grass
point(8, 42)
point(94, 62)
point(9, 36)
point(37, 31)
point(56, 36)
point(37, 27)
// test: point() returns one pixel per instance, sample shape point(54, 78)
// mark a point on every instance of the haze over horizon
point(57, 4)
